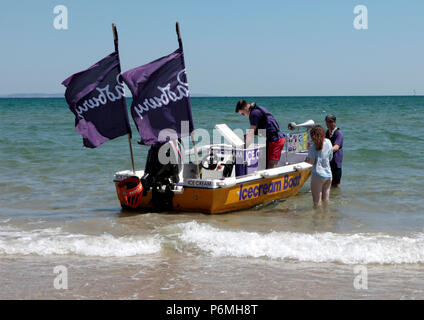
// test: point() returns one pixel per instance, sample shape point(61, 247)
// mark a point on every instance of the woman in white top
point(320, 153)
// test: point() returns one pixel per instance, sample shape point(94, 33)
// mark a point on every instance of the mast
point(115, 41)
point(180, 43)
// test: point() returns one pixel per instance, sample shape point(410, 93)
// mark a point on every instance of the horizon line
point(62, 96)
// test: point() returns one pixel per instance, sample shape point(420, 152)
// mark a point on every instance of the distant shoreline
point(61, 96)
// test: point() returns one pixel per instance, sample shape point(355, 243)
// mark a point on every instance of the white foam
point(45, 242)
point(318, 247)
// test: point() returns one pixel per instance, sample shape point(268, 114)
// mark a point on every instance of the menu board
point(297, 142)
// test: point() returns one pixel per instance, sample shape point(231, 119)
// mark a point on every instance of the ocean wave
point(46, 242)
point(318, 247)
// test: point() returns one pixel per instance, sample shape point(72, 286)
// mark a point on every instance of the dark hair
point(317, 134)
point(240, 105)
point(330, 117)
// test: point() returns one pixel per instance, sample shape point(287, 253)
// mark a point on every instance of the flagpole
point(115, 41)
point(177, 27)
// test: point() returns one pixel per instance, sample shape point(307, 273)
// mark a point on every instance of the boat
point(230, 177)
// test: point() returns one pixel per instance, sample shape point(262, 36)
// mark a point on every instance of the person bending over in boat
point(260, 118)
point(320, 153)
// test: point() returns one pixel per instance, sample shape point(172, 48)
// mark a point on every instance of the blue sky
point(232, 48)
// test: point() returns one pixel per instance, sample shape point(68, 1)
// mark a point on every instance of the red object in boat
point(130, 191)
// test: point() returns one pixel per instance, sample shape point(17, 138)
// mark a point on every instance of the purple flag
point(160, 98)
point(96, 97)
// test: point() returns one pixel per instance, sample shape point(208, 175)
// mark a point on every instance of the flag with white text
point(96, 97)
point(161, 102)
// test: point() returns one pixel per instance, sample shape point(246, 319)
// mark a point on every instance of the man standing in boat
point(336, 137)
point(260, 118)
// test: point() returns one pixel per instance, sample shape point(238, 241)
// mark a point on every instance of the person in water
point(320, 153)
point(260, 118)
point(335, 135)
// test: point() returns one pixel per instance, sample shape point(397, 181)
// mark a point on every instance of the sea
point(63, 234)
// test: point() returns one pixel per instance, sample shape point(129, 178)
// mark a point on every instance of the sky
point(232, 48)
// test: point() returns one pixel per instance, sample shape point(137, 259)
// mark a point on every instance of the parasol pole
point(177, 27)
point(115, 41)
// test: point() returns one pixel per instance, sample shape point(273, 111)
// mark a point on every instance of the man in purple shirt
point(260, 118)
point(336, 137)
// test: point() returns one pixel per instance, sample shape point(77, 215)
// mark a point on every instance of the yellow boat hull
point(240, 196)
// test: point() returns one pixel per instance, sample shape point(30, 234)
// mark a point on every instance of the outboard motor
point(163, 169)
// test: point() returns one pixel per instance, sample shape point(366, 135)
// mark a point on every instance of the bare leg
point(316, 189)
point(326, 190)
point(326, 194)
